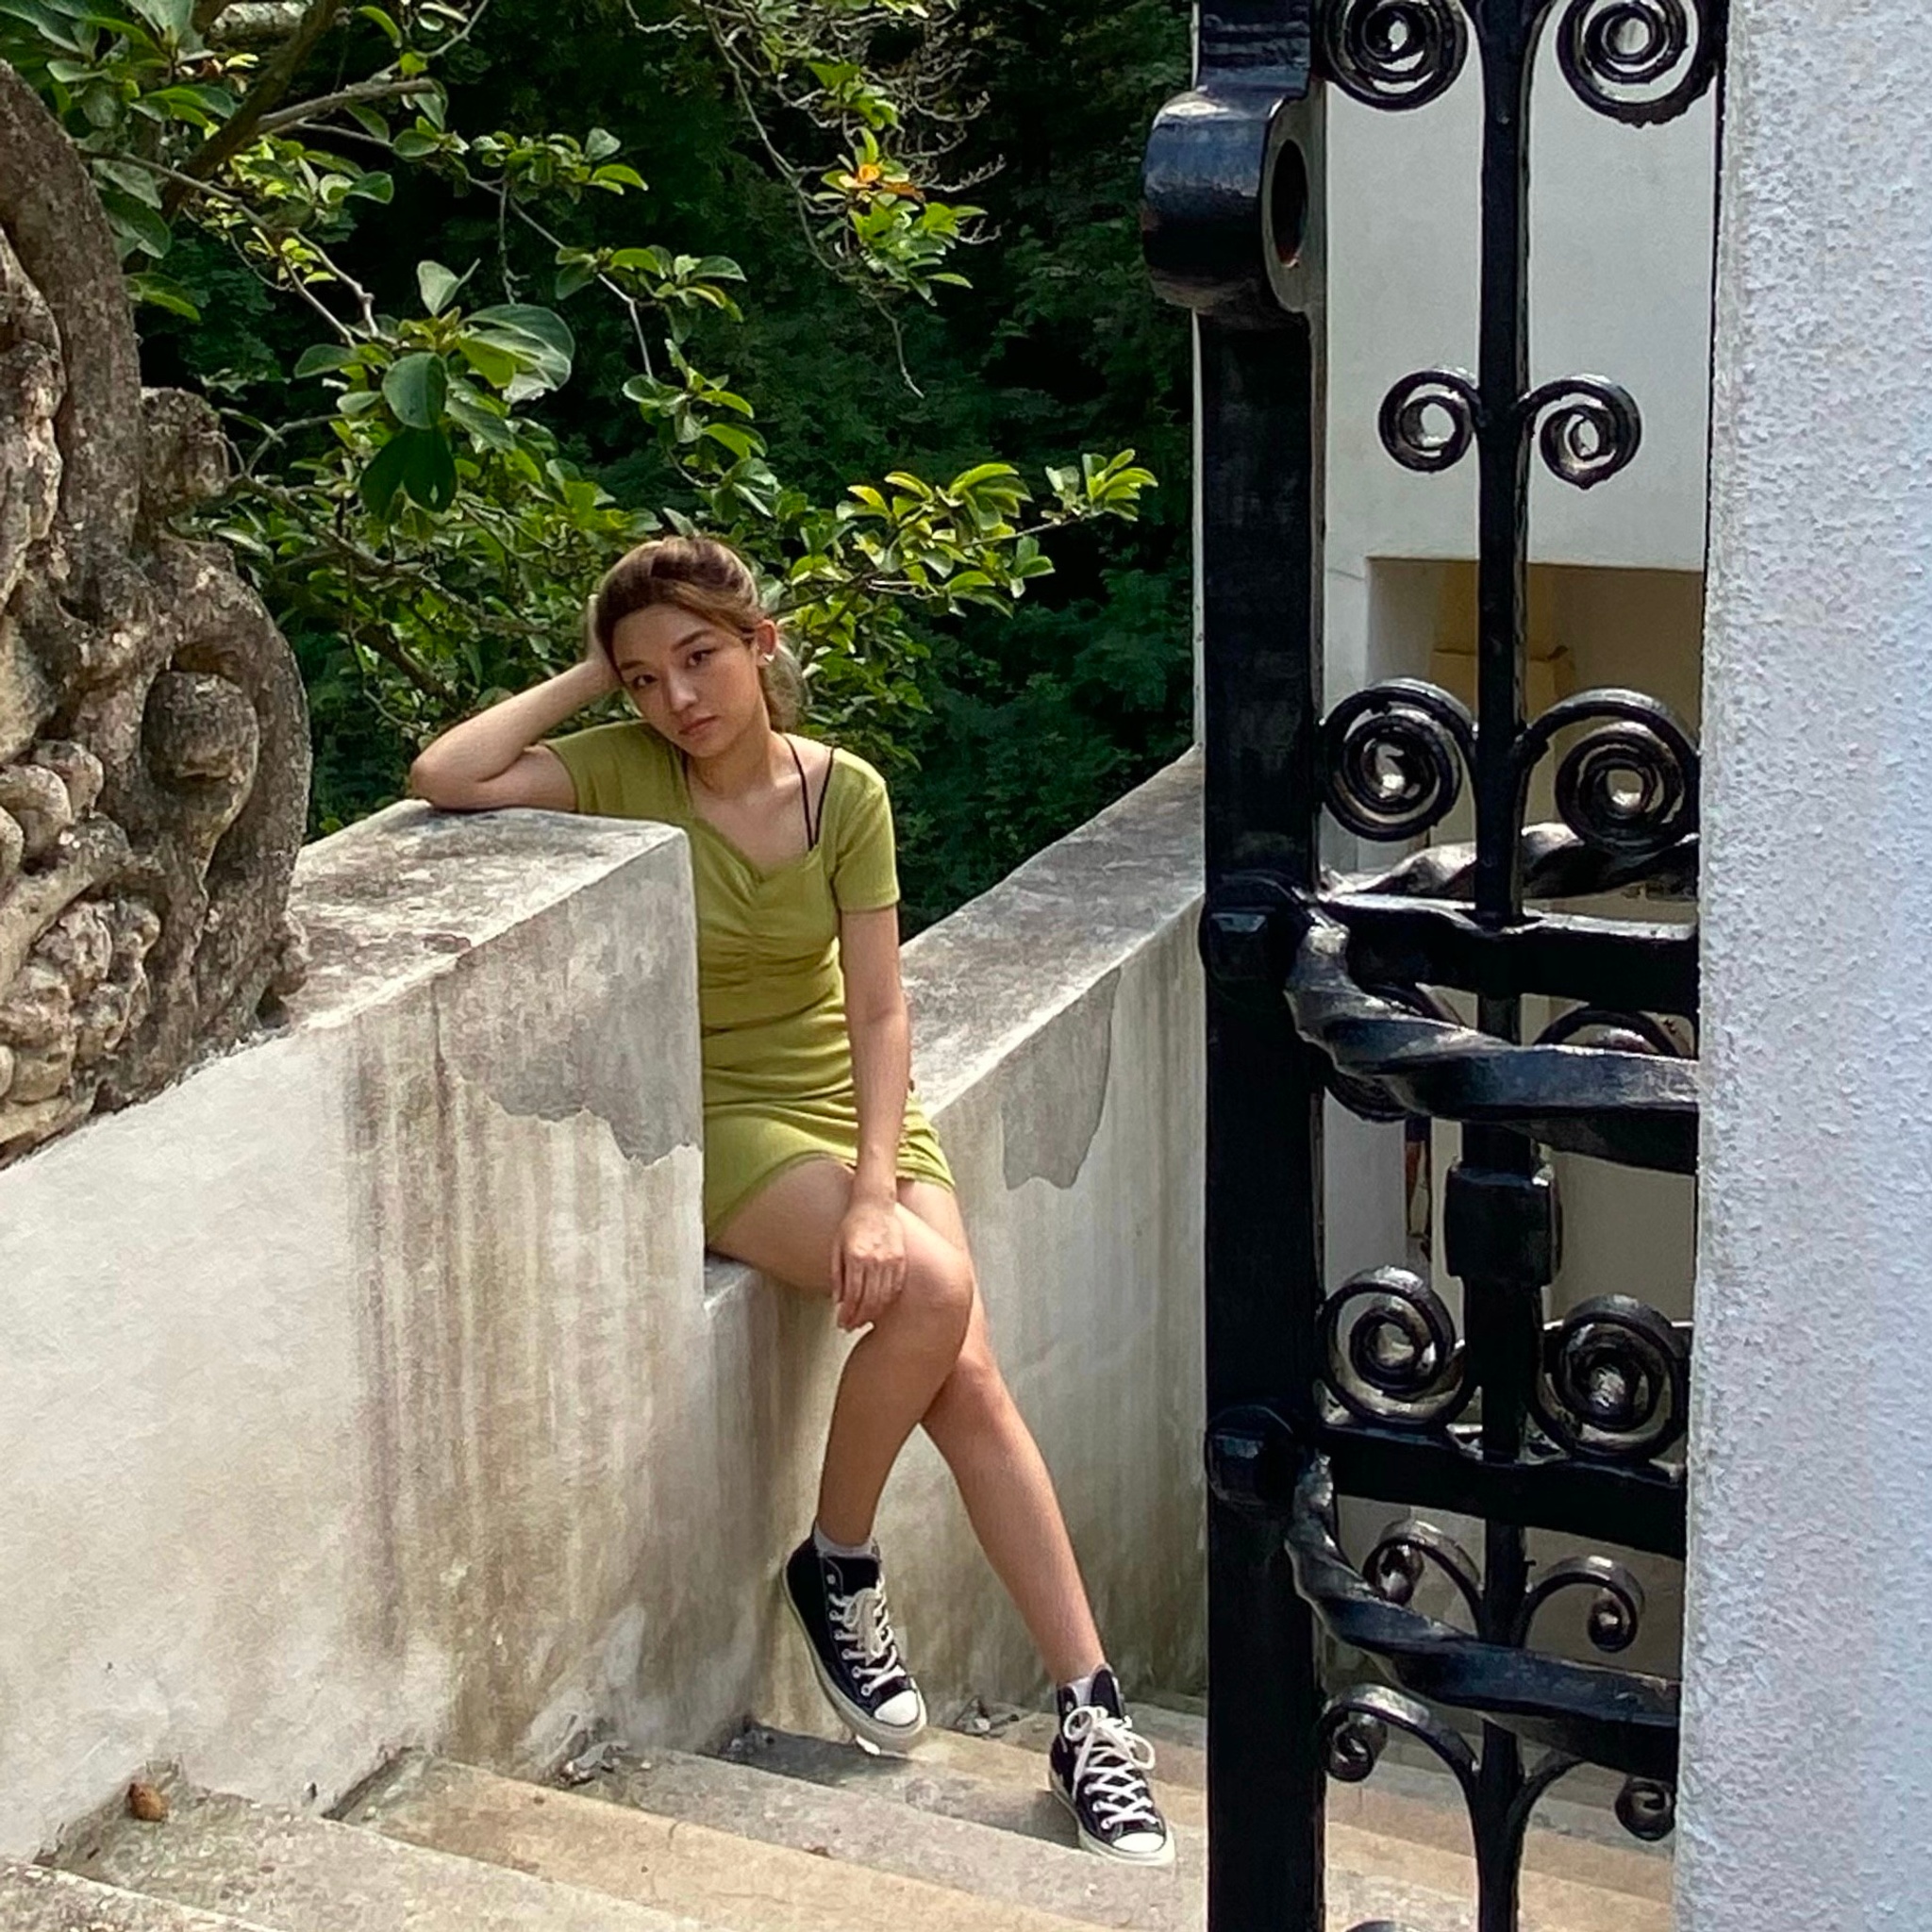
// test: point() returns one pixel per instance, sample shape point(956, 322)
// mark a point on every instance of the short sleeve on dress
point(619, 770)
point(865, 873)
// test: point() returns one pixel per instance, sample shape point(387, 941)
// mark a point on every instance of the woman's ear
point(764, 639)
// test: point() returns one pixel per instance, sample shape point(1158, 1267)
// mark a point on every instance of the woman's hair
point(710, 580)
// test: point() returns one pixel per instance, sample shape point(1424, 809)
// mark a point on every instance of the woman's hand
point(595, 667)
point(868, 1262)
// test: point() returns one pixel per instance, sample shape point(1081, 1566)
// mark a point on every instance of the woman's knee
point(940, 1287)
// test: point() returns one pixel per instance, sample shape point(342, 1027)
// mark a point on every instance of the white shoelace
point(1111, 1761)
point(864, 1633)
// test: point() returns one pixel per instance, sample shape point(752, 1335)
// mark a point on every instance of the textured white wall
point(1808, 1775)
point(1620, 287)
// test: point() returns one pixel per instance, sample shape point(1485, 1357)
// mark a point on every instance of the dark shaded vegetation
point(1022, 724)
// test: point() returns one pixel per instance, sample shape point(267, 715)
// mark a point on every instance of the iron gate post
point(1320, 984)
point(1233, 222)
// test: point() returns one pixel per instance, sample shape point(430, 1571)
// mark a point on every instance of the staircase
point(782, 1833)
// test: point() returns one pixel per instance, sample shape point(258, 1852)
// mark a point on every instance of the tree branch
point(275, 79)
point(187, 187)
point(286, 118)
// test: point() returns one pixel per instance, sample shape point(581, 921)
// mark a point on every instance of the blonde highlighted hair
point(710, 580)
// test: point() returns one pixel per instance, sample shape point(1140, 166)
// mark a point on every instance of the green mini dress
point(777, 1061)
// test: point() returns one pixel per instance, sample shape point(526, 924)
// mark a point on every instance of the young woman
point(819, 1169)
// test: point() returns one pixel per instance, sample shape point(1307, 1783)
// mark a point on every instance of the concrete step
point(1373, 1872)
point(668, 1863)
point(778, 1888)
point(1041, 1869)
point(947, 1772)
point(35, 1898)
point(1168, 1725)
point(1177, 1700)
point(1575, 1839)
point(296, 1874)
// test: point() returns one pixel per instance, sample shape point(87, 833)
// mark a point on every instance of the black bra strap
point(814, 821)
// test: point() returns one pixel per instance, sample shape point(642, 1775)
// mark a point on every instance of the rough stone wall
point(154, 749)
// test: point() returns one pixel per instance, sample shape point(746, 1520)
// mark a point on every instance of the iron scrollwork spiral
point(1394, 53)
point(1406, 1551)
point(1616, 1381)
point(1394, 756)
point(1629, 785)
point(1390, 1352)
point(1640, 61)
point(1408, 420)
point(1616, 1611)
point(1587, 428)
point(1616, 1032)
point(1353, 1733)
point(1647, 1809)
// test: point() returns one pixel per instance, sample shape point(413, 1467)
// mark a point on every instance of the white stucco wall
point(370, 1388)
point(1620, 287)
point(1807, 1748)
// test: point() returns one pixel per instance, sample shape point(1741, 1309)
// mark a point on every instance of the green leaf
point(437, 284)
point(174, 18)
point(384, 21)
point(983, 472)
point(320, 356)
point(205, 108)
point(131, 180)
point(616, 177)
point(416, 388)
point(543, 325)
point(384, 476)
point(53, 24)
point(600, 144)
point(429, 474)
point(157, 291)
point(471, 412)
point(420, 463)
point(740, 442)
point(540, 341)
point(497, 367)
point(411, 144)
point(574, 276)
point(138, 225)
point(378, 187)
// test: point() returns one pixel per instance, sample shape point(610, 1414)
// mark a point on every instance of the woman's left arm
point(869, 1259)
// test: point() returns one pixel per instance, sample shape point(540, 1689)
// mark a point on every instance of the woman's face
point(691, 680)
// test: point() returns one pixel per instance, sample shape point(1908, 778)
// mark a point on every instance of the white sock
point(826, 1547)
point(1081, 1689)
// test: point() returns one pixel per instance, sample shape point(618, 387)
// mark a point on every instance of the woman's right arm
point(494, 758)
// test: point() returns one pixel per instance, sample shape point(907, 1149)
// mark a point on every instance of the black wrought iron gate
point(1370, 1388)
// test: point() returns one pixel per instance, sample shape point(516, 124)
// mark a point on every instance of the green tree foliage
point(466, 354)
point(1039, 718)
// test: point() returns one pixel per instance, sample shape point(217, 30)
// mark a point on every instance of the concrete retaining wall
point(371, 1388)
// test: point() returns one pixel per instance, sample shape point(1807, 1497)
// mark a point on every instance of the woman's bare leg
point(977, 1425)
point(787, 1230)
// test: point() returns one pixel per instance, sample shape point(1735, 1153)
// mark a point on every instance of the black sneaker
point(1098, 1768)
point(839, 1602)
